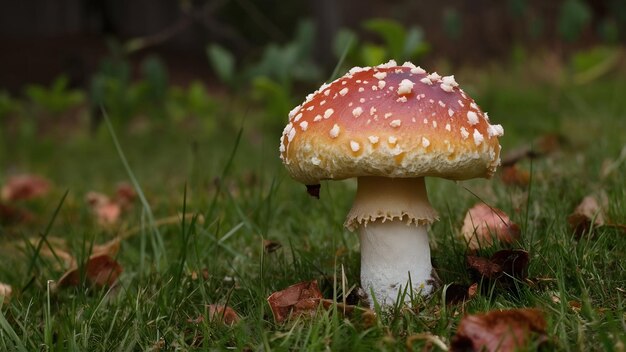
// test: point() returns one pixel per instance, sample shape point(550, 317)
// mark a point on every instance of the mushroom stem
point(392, 216)
point(391, 253)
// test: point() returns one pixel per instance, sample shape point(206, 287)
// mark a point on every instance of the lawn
point(237, 197)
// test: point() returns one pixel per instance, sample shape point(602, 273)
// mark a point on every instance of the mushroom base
point(392, 255)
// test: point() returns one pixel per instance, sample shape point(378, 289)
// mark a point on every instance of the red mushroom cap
point(391, 121)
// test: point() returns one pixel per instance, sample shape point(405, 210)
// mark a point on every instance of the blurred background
point(203, 67)
point(41, 40)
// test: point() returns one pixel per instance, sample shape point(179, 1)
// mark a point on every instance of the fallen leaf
point(158, 346)
point(610, 166)
point(25, 186)
point(271, 246)
point(514, 176)
point(106, 211)
point(5, 292)
point(483, 223)
point(111, 247)
point(225, 314)
point(54, 248)
point(505, 266)
point(295, 300)
point(205, 274)
point(57, 249)
point(125, 194)
point(100, 270)
point(10, 215)
point(590, 212)
point(458, 293)
point(507, 330)
point(575, 305)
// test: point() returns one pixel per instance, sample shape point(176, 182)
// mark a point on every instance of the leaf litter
point(24, 187)
point(299, 299)
point(483, 224)
point(505, 267)
point(221, 313)
point(506, 330)
point(304, 299)
point(591, 213)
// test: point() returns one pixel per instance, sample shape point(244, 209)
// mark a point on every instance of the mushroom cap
point(390, 121)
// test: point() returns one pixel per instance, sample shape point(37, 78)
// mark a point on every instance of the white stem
point(392, 216)
point(391, 252)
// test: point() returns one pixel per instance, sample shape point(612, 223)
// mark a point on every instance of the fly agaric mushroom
point(390, 126)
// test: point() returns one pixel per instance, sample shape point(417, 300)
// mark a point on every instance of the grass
point(241, 195)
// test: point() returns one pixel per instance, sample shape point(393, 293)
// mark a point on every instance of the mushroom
point(390, 126)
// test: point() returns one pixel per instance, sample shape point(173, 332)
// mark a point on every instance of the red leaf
point(484, 223)
point(25, 187)
point(100, 270)
point(301, 298)
point(508, 330)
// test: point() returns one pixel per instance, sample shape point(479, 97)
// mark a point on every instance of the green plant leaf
point(372, 55)
point(223, 63)
point(392, 33)
point(274, 96)
point(573, 18)
point(414, 44)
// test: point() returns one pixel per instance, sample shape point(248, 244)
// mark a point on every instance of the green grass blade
point(6, 327)
point(158, 245)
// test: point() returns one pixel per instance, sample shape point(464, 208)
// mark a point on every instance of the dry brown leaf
point(5, 292)
point(10, 215)
point(514, 176)
point(54, 248)
point(223, 313)
point(589, 212)
point(458, 293)
point(271, 246)
point(483, 223)
point(505, 266)
point(295, 300)
point(609, 166)
point(204, 272)
point(111, 247)
point(100, 270)
point(24, 187)
point(507, 330)
point(218, 312)
point(575, 305)
point(125, 194)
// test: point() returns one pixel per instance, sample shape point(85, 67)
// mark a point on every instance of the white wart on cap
point(390, 121)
